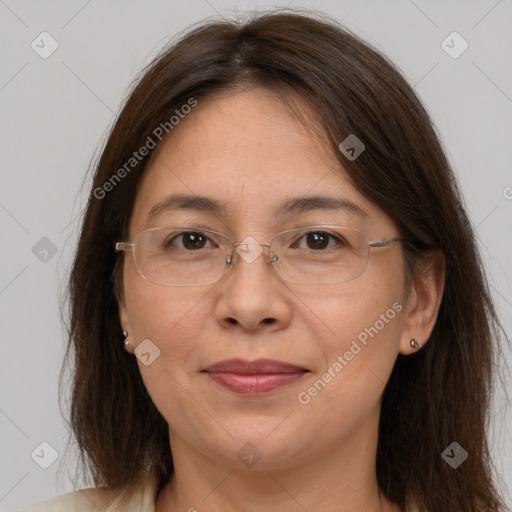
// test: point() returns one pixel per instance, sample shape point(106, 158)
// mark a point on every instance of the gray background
point(55, 111)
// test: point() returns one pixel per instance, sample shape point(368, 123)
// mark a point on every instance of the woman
point(277, 302)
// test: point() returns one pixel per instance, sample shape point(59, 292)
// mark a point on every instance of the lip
point(259, 366)
point(254, 377)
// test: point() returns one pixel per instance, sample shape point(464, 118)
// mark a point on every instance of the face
point(249, 152)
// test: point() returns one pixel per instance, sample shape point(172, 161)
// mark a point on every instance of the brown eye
point(319, 240)
point(190, 240)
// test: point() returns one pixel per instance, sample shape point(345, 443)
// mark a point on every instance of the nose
point(249, 296)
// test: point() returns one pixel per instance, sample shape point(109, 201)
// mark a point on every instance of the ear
point(424, 299)
point(125, 324)
point(124, 318)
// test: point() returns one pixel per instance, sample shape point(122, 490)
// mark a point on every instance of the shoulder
point(83, 500)
point(102, 499)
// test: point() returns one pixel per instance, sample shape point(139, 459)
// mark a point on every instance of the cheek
point(363, 321)
point(172, 320)
point(361, 310)
point(167, 315)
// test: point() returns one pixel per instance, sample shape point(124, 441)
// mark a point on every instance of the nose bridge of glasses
point(249, 250)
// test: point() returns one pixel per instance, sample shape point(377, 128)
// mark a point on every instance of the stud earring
point(126, 343)
point(415, 344)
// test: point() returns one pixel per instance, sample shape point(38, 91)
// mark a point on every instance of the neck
point(343, 479)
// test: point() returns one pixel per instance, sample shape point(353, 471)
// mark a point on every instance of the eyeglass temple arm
point(124, 246)
point(388, 241)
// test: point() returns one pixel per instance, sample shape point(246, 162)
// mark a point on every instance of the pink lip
point(254, 377)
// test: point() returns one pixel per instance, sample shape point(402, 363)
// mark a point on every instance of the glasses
point(314, 255)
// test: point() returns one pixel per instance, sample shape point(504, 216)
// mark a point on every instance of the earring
point(126, 343)
point(415, 344)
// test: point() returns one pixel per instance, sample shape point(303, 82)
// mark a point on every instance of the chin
point(261, 444)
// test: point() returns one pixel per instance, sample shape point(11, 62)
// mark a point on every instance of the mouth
point(254, 377)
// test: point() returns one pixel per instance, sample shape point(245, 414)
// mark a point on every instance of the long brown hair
point(435, 397)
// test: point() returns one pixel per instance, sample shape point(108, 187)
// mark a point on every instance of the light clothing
point(89, 500)
point(141, 499)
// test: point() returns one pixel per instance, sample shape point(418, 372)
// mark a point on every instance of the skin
point(247, 149)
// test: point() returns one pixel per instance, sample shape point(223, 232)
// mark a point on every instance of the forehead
point(248, 151)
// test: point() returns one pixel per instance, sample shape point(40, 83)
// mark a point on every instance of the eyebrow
point(294, 205)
